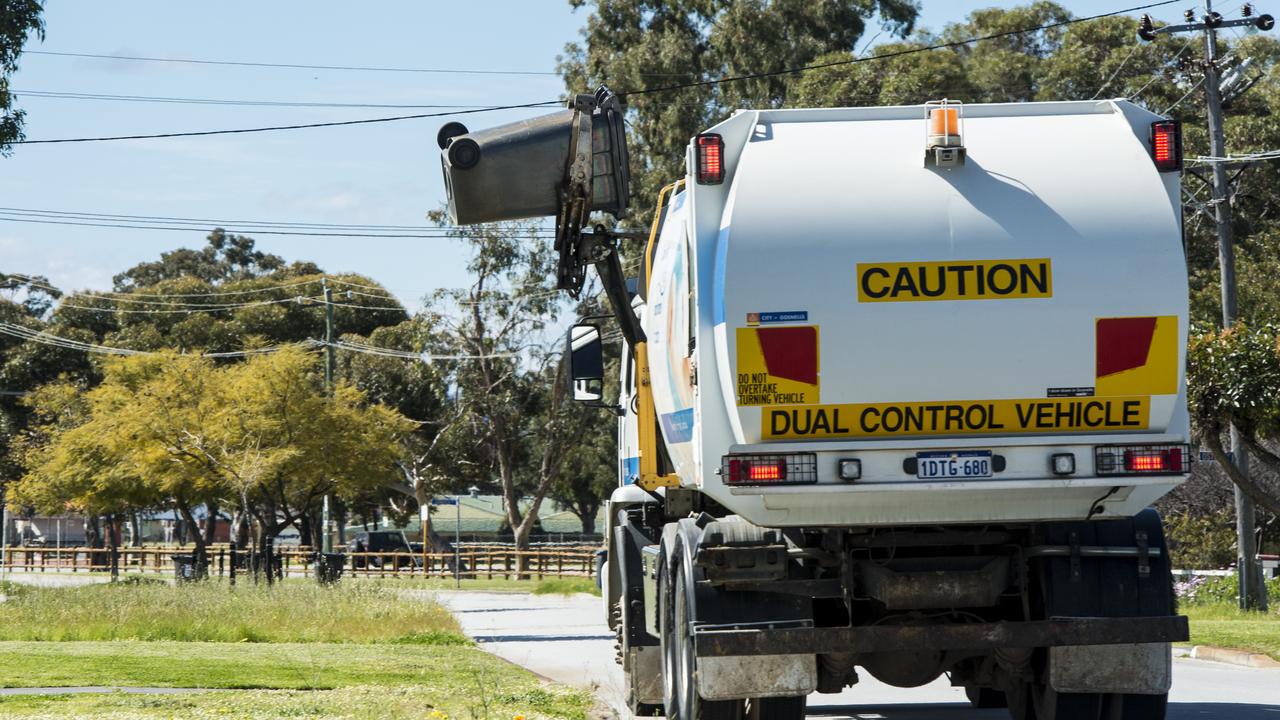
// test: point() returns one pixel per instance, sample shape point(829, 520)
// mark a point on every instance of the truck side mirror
point(586, 363)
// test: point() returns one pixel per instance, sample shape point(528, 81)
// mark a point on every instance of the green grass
point(236, 665)
point(361, 649)
point(409, 703)
point(383, 681)
point(215, 612)
point(566, 586)
point(1224, 625)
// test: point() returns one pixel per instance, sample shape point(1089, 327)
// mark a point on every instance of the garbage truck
point(898, 387)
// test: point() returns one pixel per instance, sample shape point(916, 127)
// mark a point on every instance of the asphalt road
point(565, 639)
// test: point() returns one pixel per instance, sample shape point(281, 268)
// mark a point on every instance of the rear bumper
point(721, 641)
point(947, 502)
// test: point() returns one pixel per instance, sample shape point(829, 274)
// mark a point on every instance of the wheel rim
point(668, 643)
point(685, 684)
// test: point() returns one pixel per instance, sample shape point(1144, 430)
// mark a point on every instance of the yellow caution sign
point(956, 417)
point(955, 280)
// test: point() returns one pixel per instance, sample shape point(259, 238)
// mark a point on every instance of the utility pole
point(328, 336)
point(326, 521)
point(1249, 577)
point(4, 534)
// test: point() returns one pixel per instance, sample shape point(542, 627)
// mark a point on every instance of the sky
point(382, 174)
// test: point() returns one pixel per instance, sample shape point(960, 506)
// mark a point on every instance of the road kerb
point(1243, 658)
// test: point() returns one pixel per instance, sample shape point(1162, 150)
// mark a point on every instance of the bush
point(1201, 542)
point(1204, 590)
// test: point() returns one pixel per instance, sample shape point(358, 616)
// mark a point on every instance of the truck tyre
point(787, 708)
point(1106, 588)
point(679, 688)
point(985, 698)
point(638, 709)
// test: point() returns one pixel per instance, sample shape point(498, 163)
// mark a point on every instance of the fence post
point(115, 563)
point(231, 573)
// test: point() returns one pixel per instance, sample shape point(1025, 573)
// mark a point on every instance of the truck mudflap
point(727, 641)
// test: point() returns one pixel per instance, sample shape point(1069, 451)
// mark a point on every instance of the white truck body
point(910, 308)
point(897, 391)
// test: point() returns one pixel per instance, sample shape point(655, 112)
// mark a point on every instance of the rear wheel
point(1053, 705)
point(680, 691)
point(985, 698)
point(1103, 587)
point(1136, 707)
point(787, 708)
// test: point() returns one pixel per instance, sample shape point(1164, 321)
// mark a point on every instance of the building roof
point(485, 514)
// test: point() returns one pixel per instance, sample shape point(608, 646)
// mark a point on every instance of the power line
point(289, 66)
point(304, 66)
point(301, 126)
point(898, 53)
point(28, 279)
point(59, 214)
point(647, 91)
point(239, 231)
point(46, 338)
point(57, 95)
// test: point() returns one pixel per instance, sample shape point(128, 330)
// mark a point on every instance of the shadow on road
point(537, 638)
point(1224, 710)
point(933, 711)
point(1177, 711)
point(499, 610)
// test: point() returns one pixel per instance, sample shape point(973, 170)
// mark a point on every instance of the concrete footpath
point(565, 639)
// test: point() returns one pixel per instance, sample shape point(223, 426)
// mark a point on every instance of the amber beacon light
point(944, 135)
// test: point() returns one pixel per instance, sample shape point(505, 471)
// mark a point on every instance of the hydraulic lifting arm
point(610, 270)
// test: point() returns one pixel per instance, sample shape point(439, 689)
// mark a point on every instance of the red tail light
point(1143, 459)
point(710, 159)
point(1166, 145)
point(791, 469)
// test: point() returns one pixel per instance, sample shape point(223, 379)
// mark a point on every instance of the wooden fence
point(485, 562)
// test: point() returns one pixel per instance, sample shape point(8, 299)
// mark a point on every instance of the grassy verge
point(409, 703)
point(278, 680)
point(566, 586)
point(212, 612)
point(239, 665)
point(1224, 625)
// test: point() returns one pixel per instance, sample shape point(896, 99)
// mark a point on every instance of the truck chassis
point(740, 621)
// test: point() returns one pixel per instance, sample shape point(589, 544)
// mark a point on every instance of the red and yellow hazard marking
point(957, 417)
point(955, 280)
point(1137, 356)
point(777, 365)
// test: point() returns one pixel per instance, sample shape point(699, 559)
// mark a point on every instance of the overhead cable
point(61, 95)
point(302, 66)
point(434, 235)
point(299, 126)
point(40, 212)
point(898, 53)
point(646, 91)
point(47, 338)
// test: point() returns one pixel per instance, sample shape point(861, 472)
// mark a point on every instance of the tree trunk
point(92, 531)
point(588, 520)
point(211, 523)
point(135, 530)
point(189, 520)
point(306, 532)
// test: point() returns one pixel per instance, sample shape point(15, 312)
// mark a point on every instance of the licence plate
point(953, 465)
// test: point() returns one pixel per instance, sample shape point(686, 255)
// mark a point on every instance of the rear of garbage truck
point(904, 385)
